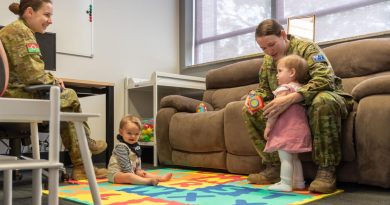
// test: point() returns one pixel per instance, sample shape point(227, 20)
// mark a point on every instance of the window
point(371, 18)
point(346, 18)
point(224, 29)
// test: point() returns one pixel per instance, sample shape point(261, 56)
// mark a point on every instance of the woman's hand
point(280, 104)
point(60, 82)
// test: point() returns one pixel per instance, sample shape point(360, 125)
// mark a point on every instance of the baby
point(125, 163)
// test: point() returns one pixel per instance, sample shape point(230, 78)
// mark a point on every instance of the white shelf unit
point(143, 96)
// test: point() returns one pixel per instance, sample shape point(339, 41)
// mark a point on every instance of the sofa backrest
point(353, 61)
point(229, 83)
point(359, 60)
point(233, 75)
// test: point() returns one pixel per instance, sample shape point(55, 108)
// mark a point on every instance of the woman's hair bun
point(14, 7)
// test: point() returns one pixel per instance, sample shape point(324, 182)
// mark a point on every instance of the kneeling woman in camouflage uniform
point(27, 68)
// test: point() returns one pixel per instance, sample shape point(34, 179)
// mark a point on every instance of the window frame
point(188, 42)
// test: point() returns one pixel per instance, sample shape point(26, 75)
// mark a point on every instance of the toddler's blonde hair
point(300, 65)
point(128, 119)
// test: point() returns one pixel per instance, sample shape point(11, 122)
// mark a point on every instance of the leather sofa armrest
point(373, 86)
point(182, 103)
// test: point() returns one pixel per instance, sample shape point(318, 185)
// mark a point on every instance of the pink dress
point(291, 131)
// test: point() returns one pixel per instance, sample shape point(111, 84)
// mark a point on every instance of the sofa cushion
point(208, 96)
point(237, 139)
point(243, 164)
point(233, 75)
point(350, 83)
point(213, 160)
point(358, 58)
point(197, 132)
point(182, 103)
point(163, 119)
point(372, 135)
point(223, 96)
point(374, 86)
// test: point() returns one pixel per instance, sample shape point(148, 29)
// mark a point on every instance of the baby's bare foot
point(166, 177)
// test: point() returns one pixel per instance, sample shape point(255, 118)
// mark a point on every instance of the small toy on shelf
point(201, 107)
point(147, 133)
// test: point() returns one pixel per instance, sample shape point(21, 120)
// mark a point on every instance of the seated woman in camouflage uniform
point(27, 68)
point(322, 94)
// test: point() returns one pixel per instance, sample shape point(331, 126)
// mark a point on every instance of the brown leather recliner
point(218, 139)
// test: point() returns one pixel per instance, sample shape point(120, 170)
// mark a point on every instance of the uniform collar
point(291, 45)
point(23, 22)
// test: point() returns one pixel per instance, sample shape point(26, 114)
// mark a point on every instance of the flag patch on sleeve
point(319, 58)
point(33, 48)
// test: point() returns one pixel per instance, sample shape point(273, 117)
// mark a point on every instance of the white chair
point(34, 111)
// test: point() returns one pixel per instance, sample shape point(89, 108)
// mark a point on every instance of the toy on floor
point(147, 133)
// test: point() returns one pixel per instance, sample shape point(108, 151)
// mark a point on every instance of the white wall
point(132, 38)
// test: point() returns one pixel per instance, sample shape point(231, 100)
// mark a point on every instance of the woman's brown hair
point(19, 8)
point(268, 27)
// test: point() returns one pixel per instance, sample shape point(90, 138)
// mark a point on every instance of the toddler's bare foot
point(153, 182)
point(166, 177)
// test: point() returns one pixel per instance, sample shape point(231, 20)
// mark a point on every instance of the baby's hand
point(140, 172)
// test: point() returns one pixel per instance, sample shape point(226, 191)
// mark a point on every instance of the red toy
point(253, 102)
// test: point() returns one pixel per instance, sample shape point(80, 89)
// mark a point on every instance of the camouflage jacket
point(321, 76)
point(26, 66)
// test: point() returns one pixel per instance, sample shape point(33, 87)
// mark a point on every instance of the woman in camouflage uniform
point(27, 68)
point(323, 95)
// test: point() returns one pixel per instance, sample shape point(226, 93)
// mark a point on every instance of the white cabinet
point(143, 96)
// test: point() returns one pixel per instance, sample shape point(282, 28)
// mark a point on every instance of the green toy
point(147, 133)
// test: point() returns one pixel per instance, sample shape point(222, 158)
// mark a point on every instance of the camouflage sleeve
point(264, 90)
point(322, 77)
point(28, 65)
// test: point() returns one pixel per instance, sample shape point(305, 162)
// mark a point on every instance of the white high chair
point(34, 111)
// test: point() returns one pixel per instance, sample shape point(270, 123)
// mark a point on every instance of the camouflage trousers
point(325, 115)
point(69, 103)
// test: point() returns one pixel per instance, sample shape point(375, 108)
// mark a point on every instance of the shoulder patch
point(319, 58)
point(33, 48)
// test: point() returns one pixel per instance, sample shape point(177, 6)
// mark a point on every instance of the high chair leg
point(87, 161)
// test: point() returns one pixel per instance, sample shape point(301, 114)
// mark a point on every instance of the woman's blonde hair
point(132, 119)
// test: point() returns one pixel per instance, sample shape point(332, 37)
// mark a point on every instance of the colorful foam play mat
point(188, 187)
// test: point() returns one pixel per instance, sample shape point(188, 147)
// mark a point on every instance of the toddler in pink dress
point(289, 133)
